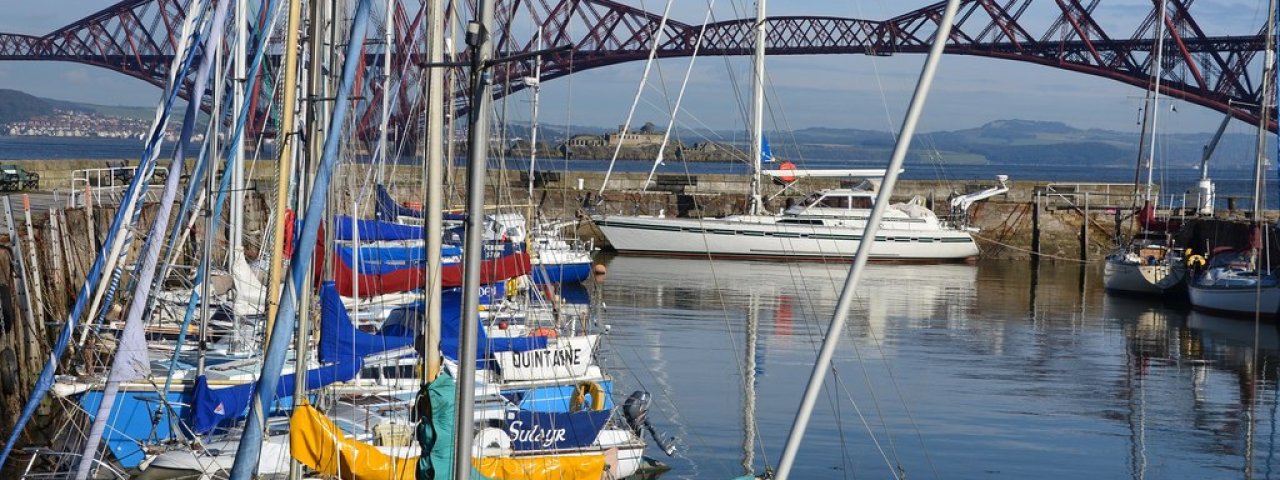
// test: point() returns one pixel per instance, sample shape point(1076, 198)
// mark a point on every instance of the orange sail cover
point(318, 443)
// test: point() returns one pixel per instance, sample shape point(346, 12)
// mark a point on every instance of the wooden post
point(1084, 234)
point(1035, 229)
point(57, 278)
point(23, 290)
point(33, 269)
point(88, 219)
point(71, 250)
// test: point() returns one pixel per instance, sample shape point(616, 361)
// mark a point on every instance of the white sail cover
point(251, 295)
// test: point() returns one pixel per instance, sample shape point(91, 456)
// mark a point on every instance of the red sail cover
point(403, 280)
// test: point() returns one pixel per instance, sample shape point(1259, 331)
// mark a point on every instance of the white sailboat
point(1244, 283)
point(1148, 264)
point(827, 225)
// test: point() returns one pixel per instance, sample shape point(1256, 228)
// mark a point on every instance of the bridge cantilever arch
point(136, 37)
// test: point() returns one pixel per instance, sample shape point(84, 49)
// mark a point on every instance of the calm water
point(945, 371)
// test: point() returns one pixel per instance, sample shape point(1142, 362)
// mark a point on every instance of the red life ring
point(787, 168)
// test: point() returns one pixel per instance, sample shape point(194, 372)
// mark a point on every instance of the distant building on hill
point(646, 135)
point(586, 141)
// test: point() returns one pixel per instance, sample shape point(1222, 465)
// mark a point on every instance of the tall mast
point(536, 85)
point(1157, 69)
point(236, 244)
point(249, 450)
point(388, 40)
point(210, 221)
point(302, 336)
point(755, 205)
point(1264, 109)
point(478, 40)
point(434, 206)
point(823, 363)
point(283, 161)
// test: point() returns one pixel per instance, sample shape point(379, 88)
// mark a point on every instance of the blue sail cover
point(404, 321)
point(341, 342)
point(554, 430)
point(388, 210)
point(383, 259)
point(373, 230)
point(210, 407)
point(339, 339)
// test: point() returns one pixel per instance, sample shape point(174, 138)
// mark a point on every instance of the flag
point(766, 155)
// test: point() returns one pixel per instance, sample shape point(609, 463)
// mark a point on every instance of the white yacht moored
point(828, 224)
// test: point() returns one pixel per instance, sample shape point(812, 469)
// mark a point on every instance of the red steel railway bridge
point(1222, 72)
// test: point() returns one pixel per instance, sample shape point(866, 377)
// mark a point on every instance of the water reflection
point(994, 370)
point(1212, 376)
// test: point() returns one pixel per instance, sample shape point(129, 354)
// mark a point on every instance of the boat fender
point(513, 287)
point(1196, 261)
point(580, 391)
point(289, 224)
point(544, 332)
point(491, 442)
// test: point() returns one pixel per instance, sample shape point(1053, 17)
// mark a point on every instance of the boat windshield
point(834, 201)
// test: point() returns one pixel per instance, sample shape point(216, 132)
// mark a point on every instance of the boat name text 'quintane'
point(564, 357)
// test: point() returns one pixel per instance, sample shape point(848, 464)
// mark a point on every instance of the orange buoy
point(787, 167)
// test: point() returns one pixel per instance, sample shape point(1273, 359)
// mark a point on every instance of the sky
point(840, 91)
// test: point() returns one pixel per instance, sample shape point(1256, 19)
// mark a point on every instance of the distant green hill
point(137, 113)
point(17, 106)
point(1000, 142)
point(1017, 142)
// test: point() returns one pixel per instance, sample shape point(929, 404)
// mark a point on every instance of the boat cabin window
point(811, 200)
point(860, 202)
point(834, 201)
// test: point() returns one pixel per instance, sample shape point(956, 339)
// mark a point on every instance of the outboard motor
point(636, 411)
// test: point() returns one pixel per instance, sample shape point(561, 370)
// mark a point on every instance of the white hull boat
point(1236, 294)
point(767, 238)
point(827, 225)
point(1125, 275)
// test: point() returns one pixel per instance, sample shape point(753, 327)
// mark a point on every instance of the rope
point(1029, 251)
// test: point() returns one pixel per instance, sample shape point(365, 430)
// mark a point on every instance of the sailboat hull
point(778, 241)
point(1237, 300)
point(131, 420)
point(565, 266)
point(1160, 279)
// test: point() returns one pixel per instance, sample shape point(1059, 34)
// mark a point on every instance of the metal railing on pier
point(105, 186)
point(1120, 196)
